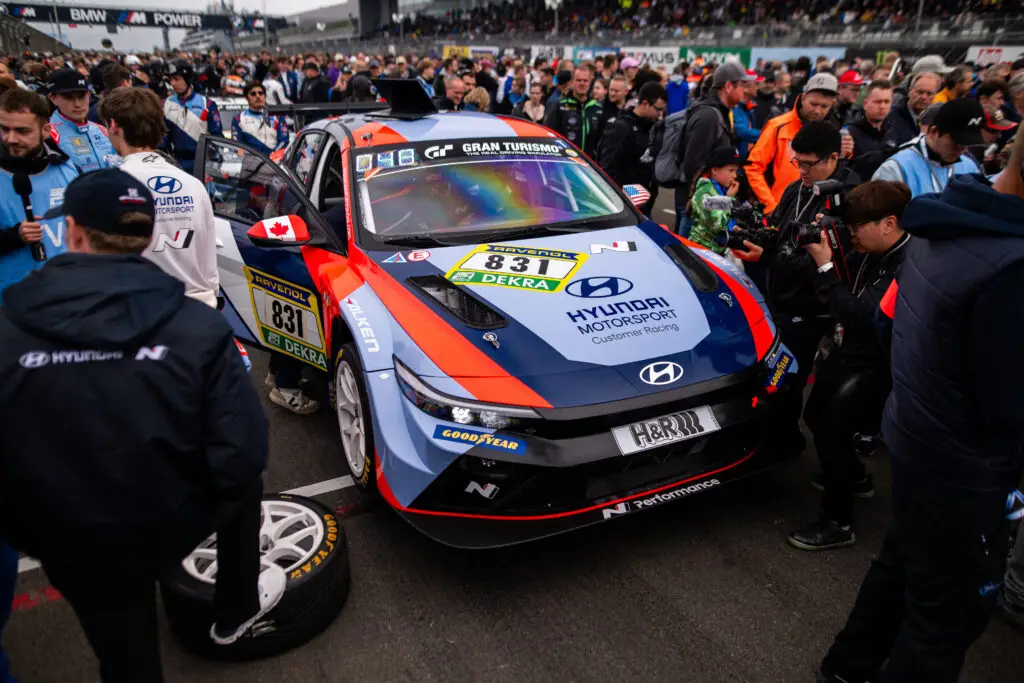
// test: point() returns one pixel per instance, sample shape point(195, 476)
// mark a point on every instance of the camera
point(810, 233)
point(751, 224)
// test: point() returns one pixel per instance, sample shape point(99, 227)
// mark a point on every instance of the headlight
point(458, 410)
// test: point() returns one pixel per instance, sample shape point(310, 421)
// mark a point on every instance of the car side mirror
point(282, 231)
point(637, 194)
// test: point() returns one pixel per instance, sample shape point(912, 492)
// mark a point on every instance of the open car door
point(264, 220)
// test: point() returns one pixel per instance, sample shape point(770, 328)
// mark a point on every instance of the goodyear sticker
point(515, 267)
point(288, 317)
point(496, 442)
point(779, 369)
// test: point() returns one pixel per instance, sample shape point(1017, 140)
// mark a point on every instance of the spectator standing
point(290, 79)
point(956, 84)
point(785, 93)
point(425, 76)
point(272, 84)
point(618, 89)
point(114, 76)
point(992, 93)
point(515, 96)
point(532, 109)
point(85, 142)
point(578, 116)
point(563, 84)
point(719, 179)
point(953, 425)
point(189, 115)
point(175, 436)
point(678, 91)
point(928, 163)
point(28, 149)
point(869, 129)
point(769, 165)
point(477, 99)
point(747, 132)
point(263, 66)
point(708, 127)
point(846, 108)
point(454, 91)
point(904, 121)
point(764, 100)
point(252, 126)
point(315, 88)
point(623, 153)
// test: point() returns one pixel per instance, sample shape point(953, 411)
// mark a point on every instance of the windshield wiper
point(416, 241)
point(533, 230)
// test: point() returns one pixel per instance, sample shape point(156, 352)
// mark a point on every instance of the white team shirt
point(184, 237)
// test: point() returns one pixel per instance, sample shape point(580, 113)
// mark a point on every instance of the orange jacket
point(769, 166)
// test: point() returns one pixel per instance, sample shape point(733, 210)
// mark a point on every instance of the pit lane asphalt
point(703, 590)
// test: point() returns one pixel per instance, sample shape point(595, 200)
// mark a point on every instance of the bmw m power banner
point(127, 16)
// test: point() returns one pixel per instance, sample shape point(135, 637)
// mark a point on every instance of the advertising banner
point(459, 51)
point(550, 52)
point(481, 51)
point(784, 54)
point(667, 57)
point(985, 55)
point(583, 54)
point(126, 16)
point(716, 54)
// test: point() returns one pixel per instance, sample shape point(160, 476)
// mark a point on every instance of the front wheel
point(355, 427)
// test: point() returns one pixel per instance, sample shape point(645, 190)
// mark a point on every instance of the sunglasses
point(257, 93)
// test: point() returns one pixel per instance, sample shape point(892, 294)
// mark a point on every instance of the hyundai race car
point(513, 349)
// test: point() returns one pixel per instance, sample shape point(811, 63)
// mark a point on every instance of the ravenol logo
point(164, 184)
point(483, 439)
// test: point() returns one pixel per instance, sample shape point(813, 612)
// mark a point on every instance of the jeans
point(844, 401)
point(8, 579)
point(684, 224)
point(119, 616)
point(932, 589)
point(286, 370)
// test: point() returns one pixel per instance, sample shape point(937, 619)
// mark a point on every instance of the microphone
point(23, 186)
point(717, 203)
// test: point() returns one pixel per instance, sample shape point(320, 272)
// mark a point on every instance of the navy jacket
point(955, 417)
point(128, 414)
point(900, 126)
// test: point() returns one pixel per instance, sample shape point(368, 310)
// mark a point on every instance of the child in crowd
point(718, 179)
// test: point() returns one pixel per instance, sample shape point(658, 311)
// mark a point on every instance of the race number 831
point(519, 265)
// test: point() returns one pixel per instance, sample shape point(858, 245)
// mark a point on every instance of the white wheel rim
point(350, 418)
point(290, 534)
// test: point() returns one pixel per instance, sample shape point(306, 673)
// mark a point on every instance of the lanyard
point(799, 211)
point(857, 289)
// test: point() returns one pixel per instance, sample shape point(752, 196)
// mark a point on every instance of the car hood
point(618, 304)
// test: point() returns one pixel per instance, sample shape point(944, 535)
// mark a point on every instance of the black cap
point(97, 201)
point(963, 119)
point(310, 65)
point(564, 76)
point(1018, 64)
point(723, 156)
point(67, 80)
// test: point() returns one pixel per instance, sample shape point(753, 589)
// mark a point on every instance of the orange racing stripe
point(379, 135)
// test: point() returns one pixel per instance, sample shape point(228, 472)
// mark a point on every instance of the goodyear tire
point(305, 539)
point(355, 426)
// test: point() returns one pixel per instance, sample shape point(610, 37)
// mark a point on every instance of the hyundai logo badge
point(164, 184)
point(598, 287)
point(661, 373)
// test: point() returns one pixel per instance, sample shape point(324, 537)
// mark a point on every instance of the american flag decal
point(637, 194)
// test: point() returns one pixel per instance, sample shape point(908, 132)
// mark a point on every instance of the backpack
point(666, 147)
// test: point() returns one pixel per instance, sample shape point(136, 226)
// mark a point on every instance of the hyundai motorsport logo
point(626, 319)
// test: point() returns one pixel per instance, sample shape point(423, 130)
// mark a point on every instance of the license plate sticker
point(660, 431)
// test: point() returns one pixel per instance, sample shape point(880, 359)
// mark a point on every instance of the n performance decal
point(657, 499)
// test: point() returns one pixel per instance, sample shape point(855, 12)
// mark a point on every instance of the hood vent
point(699, 273)
point(460, 303)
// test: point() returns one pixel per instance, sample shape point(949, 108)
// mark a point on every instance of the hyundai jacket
point(955, 417)
point(188, 118)
point(184, 235)
point(49, 174)
point(86, 143)
point(128, 415)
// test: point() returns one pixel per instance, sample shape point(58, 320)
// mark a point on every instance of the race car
point(513, 349)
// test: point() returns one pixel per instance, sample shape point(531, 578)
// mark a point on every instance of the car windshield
point(480, 192)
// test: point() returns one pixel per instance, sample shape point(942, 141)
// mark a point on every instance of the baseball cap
point(374, 63)
point(310, 65)
point(927, 117)
point(723, 156)
point(564, 77)
point(630, 63)
point(851, 77)
point(933, 63)
point(67, 80)
point(996, 122)
point(822, 82)
point(963, 119)
point(730, 72)
point(759, 78)
point(99, 199)
point(132, 60)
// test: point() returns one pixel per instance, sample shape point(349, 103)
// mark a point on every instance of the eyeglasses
point(805, 165)
point(661, 108)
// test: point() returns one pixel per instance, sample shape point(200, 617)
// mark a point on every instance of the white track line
point(671, 211)
point(27, 564)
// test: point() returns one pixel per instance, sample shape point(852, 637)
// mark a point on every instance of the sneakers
point(1011, 613)
point(271, 587)
point(270, 381)
point(822, 535)
point(294, 400)
point(865, 488)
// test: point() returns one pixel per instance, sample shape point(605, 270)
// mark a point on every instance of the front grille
point(459, 302)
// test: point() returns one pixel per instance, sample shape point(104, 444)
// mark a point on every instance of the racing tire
point(318, 583)
point(352, 407)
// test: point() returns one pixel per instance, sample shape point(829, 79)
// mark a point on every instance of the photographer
point(790, 271)
point(851, 384)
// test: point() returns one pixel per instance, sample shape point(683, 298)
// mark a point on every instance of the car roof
point(381, 129)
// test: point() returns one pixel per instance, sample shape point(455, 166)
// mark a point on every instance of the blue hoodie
point(955, 416)
point(678, 94)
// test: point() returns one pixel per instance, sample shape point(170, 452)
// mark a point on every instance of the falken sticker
point(288, 317)
point(496, 442)
point(364, 162)
point(406, 157)
point(515, 267)
point(386, 160)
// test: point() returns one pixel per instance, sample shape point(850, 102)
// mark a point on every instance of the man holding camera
point(790, 276)
point(851, 384)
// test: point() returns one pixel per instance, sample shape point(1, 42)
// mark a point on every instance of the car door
point(270, 296)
